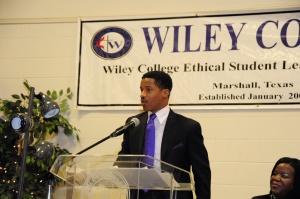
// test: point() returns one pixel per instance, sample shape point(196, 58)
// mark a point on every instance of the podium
point(117, 176)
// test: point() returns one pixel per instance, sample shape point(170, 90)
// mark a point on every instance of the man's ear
point(166, 93)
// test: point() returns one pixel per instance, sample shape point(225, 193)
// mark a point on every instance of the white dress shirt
point(160, 123)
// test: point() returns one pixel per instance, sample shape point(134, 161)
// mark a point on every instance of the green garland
point(36, 176)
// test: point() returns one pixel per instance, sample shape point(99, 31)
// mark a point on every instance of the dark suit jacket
point(182, 146)
point(262, 197)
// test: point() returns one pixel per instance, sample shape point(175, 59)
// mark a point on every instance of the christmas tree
point(37, 176)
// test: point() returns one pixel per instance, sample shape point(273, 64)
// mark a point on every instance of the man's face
point(282, 180)
point(153, 98)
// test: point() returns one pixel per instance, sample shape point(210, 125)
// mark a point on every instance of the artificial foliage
point(37, 175)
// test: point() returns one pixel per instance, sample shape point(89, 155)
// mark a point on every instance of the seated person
point(285, 180)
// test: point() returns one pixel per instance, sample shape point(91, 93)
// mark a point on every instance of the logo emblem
point(105, 183)
point(111, 43)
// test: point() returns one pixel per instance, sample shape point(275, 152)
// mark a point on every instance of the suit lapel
point(139, 135)
point(168, 133)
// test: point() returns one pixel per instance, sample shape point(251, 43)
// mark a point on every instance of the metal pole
point(49, 189)
point(25, 146)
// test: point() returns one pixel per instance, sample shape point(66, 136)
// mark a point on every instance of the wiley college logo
point(111, 43)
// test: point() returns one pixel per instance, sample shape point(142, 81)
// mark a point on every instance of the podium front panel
point(115, 176)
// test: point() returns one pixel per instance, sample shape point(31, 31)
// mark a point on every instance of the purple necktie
point(150, 140)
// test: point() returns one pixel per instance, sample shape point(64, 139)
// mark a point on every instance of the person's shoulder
point(183, 118)
point(139, 116)
point(267, 196)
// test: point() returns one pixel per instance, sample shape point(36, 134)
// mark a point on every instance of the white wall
point(243, 145)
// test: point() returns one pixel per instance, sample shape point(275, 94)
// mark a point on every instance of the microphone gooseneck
point(119, 131)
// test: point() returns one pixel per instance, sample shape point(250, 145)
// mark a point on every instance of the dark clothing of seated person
point(285, 180)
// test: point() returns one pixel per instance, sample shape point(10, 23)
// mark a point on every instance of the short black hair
point(161, 79)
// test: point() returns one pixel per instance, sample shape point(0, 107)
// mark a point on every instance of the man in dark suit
point(178, 140)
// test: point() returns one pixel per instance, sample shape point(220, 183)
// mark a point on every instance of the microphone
point(119, 131)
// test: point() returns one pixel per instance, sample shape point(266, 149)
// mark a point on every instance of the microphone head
point(136, 121)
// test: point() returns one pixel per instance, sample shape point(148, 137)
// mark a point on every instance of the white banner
point(215, 62)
